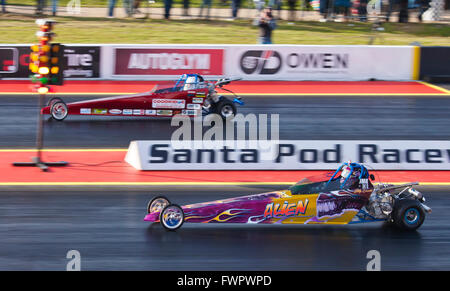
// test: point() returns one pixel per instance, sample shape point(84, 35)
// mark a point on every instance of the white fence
point(250, 62)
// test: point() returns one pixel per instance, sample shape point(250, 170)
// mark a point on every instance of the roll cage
point(306, 186)
point(196, 79)
point(364, 173)
point(179, 85)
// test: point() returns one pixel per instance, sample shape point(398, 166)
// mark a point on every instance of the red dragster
point(191, 96)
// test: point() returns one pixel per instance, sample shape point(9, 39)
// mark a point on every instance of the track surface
point(422, 118)
point(38, 228)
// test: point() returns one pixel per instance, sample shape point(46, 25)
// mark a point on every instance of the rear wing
point(226, 81)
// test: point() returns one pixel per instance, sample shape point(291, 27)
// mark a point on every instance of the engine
point(380, 204)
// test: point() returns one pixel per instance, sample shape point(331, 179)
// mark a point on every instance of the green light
point(44, 80)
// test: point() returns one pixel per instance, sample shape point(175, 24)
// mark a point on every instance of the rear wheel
point(172, 217)
point(157, 204)
point(225, 108)
point(408, 214)
point(58, 110)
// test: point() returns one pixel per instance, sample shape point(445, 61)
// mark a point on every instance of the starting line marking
point(64, 150)
point(180, 183)
point(444, 93)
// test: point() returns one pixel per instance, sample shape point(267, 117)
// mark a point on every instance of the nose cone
point(154, 217)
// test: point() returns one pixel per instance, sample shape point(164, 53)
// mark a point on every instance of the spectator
point(235, 5)
point(362, 10)
point(4, 6)
point(54, 7)
point(391, 7)
point(259, 5)
point(137, 4)
point(324, 10)
point(111, 6)
point(128, 6)
point(40, 5)
point(185, 7)
point(167, 7)
point(207, 4)
point(343, 7)
point(403, 15)
point(292, 10)
point(266, 24)
point(423, 6)
point(277, 5)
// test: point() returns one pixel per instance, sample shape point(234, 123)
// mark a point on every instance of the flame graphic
point(229, 213)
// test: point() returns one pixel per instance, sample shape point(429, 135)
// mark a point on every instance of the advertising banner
point(298, 62)
point(80, 61)
point(14, 61)
point(435, 63)
point(167, 61)
point(288, 155)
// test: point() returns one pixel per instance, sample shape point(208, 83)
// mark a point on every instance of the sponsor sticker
point(168, 103)
point(100, 111)
point(197, 100)
point(164, 112)
point(189, 112)
point(127, 111)
point(150, 112)
point(193, 106)
point(85, 110)
point(115, 111)
point(138, 111)
point(200, 94)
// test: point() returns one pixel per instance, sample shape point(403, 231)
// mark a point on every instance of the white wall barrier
point(256, 62)
point(289, 155)
point(342, 63)
point(250, 62)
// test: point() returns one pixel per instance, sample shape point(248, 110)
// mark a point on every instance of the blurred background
point(233, 21)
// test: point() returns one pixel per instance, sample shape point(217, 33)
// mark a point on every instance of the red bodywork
point(163, 102)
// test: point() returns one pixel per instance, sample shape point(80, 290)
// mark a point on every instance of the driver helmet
point(346, 171)
point(190, 83)
point(193, 82)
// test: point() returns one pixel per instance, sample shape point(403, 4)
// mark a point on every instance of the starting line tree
point(47, 69)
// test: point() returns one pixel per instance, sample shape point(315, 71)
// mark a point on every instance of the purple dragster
point(344, 196)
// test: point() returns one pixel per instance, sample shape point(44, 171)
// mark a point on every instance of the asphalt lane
point(341, 117)
point(39, 227)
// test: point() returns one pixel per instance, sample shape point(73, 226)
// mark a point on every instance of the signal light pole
point(46, 66)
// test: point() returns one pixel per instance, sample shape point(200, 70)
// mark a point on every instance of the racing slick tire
point(225, 108)
point(172, 217)
point(157, 204)
point(59, 110)
point(408, 214)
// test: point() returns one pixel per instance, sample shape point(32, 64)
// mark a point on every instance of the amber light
point(35, 48)
point(46, 48)
point(55, 70)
